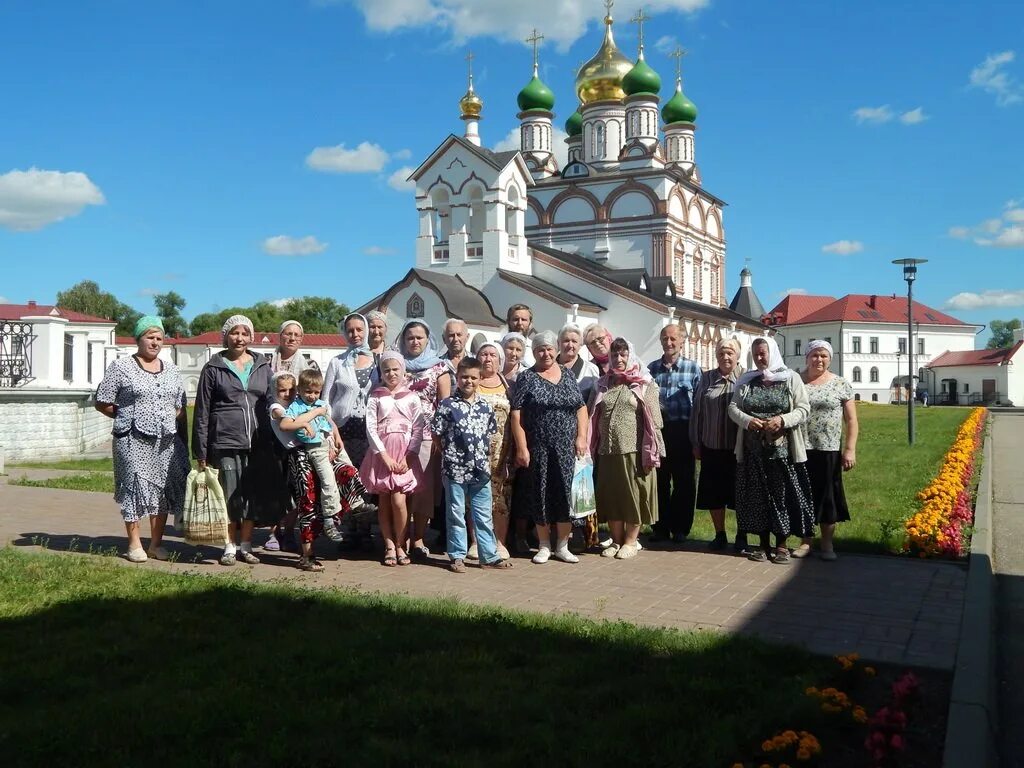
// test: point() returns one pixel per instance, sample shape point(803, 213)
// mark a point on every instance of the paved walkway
point(884, 608)
point(1008, 540)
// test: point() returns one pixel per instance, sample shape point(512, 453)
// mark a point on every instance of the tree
point(318, 314)
point(169, 306)
point(86, 297)
point(1002, 333)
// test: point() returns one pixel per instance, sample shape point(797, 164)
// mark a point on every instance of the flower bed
point(940, 527)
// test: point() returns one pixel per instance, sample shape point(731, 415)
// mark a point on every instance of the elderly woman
point(493, 389)
point(231, 431)
point(625, 439)
point(287, 356)
point(833, 413)
point(145, 396)
point(347, 383)
point(713, 437)
point(549, 425)
point(773, 492)
point(376, 333)
point(598, 341)
point(570, 338)
point(513, 344)
point(428, 378)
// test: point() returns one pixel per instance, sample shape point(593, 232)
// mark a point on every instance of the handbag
point(205, 517)
point(584, 500)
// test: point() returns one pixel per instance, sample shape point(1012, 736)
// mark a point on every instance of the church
point(625, 234)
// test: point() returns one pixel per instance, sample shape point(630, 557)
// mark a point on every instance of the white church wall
point(433, 310)
point(574, 209)
point(631, 204)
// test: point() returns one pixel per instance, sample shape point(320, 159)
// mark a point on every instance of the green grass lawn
point(881, 489)
point(96, 482)
point(105, 464)
point(114, 665)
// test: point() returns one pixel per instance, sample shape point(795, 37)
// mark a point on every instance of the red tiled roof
point(976, 357)
point(127, 341)
point(213, 338)
point(19, 311)
point(865, 308)
point(795, 306)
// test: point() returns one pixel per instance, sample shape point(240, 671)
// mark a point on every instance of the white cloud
point(1006, 231)
point(284, 245)
point(402, 154)
point(914, 116)
point(400, 180)
point(1015, 215)
point(512, 141)
point(565, 20)
point(666, 44)
point(791, 292)
point(875, 115)
point(992, 77)
point(279, 303)
point(148, 292)
point(843, 247)
point(1015, 202)
point(959, 233)
point(1011, 237)
point(365, 158)
point(379, 250)
point(991, 226)
point(33, 199)
point(4, 300)
point(985, 299)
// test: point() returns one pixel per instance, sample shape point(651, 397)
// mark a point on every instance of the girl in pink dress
point(395, 423)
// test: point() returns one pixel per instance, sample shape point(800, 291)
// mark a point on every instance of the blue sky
point(174, 144)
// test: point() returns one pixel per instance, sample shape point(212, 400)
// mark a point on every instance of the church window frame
point(415, 307)
point(856, 374)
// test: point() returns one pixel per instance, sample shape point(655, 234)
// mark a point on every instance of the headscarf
point(819, 344)
point(403, 386)
point(147, 323)
point(636, 377)
point(233, 322)
point(281, 375)
point(426, 359)
point(636, 372)
point(362, 349)
point(514, 336)
point(601, 361)
point(496, 346)
point(375, 314)
point(544, 339)
point(776, 371)
point(295, 364)
point(286, 323)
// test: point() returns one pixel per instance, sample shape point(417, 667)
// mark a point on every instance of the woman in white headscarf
point(773, 491)
point(513, 347)
point(347, 383)
point(833, 414)
point(376, 334)
point(288, 356)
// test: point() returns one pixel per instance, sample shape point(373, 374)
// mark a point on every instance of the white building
point(978, 377)
point(625, 234)
point(869, 336)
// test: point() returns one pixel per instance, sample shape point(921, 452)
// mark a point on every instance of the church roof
point(459, 299)
point(550, 291)
point(746, 303)
point(497, 160)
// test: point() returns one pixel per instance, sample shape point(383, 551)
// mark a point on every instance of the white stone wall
point(37, 424)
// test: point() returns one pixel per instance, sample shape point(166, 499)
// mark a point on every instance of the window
point(856, 345)
point(88, 360)
point(796, 347)
point(856, 396)
point(874, 397)
point(920, 345)
point(828, 339)
point(873, 345)
point(874, 375)
point(69, 357)
point(902, 345)
point(967, 388)
point(856, 375)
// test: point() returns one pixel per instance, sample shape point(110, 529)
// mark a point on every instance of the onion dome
point(641, 79)
point(574, 125)
point(535, 96)
point(679, 109)
point(471, 105)
point(600, 78)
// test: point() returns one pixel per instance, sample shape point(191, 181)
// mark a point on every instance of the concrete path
point(886, 609)
point(1008, 536)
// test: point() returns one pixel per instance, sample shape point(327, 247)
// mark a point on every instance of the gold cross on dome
point(678, 54)
point(608, 5)
point(469, 64)
point(639, 20)
point(534, 39)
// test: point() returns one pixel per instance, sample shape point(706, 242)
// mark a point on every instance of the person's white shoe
point(473, 553)
point(503, 552)
point(542, 556)
point(563, 554)
point(626, 551)
point(606, 543)
point(137, 555)
point(610, 550)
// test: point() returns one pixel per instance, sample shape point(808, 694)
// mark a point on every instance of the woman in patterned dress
point(773, 491)
point(347, 383)
point(428, 378)
point(494, 389)
point(833, 414)
point(625, 437)
point(549, 425)
point(145, 396)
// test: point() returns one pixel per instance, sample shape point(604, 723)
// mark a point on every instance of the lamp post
point(910, 274)
point(899, 375)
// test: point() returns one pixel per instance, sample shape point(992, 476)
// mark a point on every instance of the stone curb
point(972, 721)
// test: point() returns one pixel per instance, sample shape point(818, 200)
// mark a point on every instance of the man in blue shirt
point(677, 378)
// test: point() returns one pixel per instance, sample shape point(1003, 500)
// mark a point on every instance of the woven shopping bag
point(205, 519)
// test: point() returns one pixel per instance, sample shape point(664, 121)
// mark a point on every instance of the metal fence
point(16, 340)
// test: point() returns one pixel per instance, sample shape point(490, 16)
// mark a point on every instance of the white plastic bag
point(584, 501)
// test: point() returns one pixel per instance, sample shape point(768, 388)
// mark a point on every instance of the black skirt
point(716, 488)
point(826, 473)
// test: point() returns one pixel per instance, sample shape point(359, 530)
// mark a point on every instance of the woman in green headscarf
point(145, 396)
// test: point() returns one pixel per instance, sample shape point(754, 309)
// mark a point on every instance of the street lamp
point(899, 375)
point(910, 274)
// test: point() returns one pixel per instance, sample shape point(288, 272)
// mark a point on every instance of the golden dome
point(471, 104)
point(601, 77)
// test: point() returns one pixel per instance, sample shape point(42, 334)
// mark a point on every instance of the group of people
point(486, 443)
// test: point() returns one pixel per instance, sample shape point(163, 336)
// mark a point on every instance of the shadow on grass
point(114, 666)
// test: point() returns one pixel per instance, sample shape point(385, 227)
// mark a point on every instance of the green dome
point(536, 95)
point(641, 79)
point(679, 109)
point(574, 125)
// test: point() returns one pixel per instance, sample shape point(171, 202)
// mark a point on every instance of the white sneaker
point(503, 552)
point(137, 555)
point(542, 556)
point(563, 554)
point(610, 550)
point(473, 553)
point(639, 546)
point(607, 543)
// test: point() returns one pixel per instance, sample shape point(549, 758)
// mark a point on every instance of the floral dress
point(824, 429)
point(424, 384)
point(497, 398)
point(773, 493)
point(548, 412)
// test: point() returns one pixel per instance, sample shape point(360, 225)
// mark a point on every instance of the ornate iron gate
point(16, 340)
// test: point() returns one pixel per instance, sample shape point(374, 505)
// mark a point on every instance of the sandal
point(390, 559)
point(420, 553)
point(310, 564)
point(457, 566)
point(758, 556)
point(782, 556)
point(497, 565)
point(403, 559)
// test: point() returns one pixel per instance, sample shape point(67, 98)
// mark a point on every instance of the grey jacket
point(799, 410)
point(228, 417)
